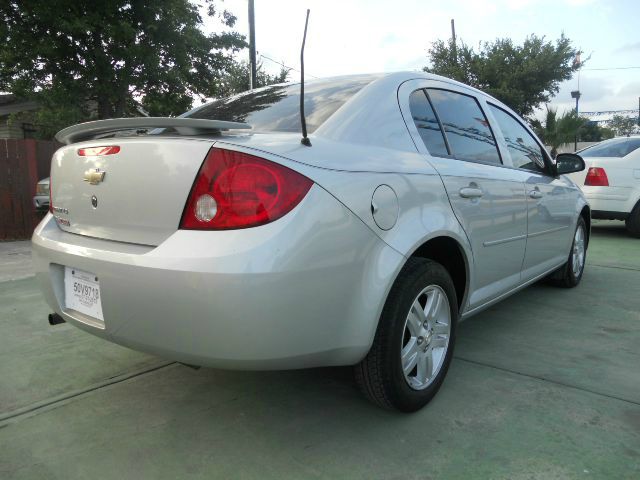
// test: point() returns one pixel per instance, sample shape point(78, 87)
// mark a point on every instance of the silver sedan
point(220, 239)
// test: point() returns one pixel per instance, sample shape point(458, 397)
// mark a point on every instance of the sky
point(364, 36)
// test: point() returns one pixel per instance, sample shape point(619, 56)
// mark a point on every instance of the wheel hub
point(426, 337)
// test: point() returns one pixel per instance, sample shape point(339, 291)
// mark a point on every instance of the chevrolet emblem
point(94, 176)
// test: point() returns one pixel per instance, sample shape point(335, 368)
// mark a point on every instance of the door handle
point(535, 194)
point(470, 192)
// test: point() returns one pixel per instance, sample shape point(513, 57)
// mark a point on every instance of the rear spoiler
point(184, 126)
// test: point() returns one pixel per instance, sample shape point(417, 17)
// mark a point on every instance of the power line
point(285, 66)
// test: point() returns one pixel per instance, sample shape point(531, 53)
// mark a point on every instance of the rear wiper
point(184, 126)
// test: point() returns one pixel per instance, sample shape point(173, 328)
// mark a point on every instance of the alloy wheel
point(426, 336)
point(578, 254)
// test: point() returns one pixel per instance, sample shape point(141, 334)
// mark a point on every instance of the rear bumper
point(610, 199)
point(304, 291)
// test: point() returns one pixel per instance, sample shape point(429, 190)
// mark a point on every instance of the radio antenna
point(305, 140)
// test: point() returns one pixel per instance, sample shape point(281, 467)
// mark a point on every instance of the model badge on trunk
point(94, 176)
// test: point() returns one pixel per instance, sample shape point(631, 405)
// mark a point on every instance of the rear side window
point(427, 124)
point(525, 152)
point(277, 108)
point(614, 148)
point(466, 128)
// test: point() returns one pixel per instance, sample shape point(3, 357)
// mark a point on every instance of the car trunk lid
point(136, 195)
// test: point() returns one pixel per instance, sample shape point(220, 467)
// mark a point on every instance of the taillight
point(237, 190)
point(596, 177)
point(95, 151)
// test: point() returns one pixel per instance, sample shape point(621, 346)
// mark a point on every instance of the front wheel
point(413, 345)
point(570, 274)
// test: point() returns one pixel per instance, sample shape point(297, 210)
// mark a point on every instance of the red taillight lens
point(237, 190)
point(596, 177)
point(94, 151)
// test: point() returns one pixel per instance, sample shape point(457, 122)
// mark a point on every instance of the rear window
point(277, 108)
point(615, 148)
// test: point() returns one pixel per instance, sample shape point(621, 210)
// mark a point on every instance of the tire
point(567, 276)
point(402, 329)
point(633, 221)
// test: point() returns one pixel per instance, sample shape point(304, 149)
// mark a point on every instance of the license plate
point(82, 292)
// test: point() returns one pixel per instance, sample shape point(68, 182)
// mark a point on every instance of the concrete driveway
point(544, 385)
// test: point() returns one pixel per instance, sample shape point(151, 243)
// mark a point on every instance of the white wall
point(568, 147)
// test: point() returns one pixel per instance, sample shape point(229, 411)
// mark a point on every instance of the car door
point(489, 200)
point(551, 200)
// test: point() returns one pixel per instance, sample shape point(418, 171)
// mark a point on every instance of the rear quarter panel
point(424, 211)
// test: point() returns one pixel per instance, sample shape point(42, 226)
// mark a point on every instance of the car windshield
point(276, 108)
point(619, 147)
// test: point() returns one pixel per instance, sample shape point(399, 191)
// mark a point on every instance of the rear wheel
point(570, 274)
point(633, 221)
point(414, 342)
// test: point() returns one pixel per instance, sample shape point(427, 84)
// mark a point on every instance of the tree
point(521, 76)
point(237, 79)
point(592, 132)
point(557, 131)
point(623, 125)
point(92, 60)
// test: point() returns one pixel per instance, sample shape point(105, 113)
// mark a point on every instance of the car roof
point(372, 115)
point(392, 77)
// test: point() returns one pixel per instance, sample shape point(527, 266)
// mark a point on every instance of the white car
point(227, 241)
point(611, 181)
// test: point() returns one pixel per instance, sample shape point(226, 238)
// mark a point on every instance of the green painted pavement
point(179, 423)
point(38, 361)
point(544, 385)
point(613, 245)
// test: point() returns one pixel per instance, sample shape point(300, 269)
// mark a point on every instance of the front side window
point(466, 128)
point(525, 152)
point(427, 124)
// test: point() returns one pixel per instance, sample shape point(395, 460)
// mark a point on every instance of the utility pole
point(253, 80)
point(576, 94)
point(454, 50)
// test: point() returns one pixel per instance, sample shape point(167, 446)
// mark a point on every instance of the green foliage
point(623, 125)
point(521, 76)
point(84, 60)
point(559, 130)
point(237, 79)
point(592, 132)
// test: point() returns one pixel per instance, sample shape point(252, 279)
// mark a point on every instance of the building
point(10, 104)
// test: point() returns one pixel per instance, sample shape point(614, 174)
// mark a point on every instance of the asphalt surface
point(543, 385)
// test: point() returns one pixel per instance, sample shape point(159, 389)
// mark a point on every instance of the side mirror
point(569, 163)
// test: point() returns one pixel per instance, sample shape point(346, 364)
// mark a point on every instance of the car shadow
point(610, 229)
